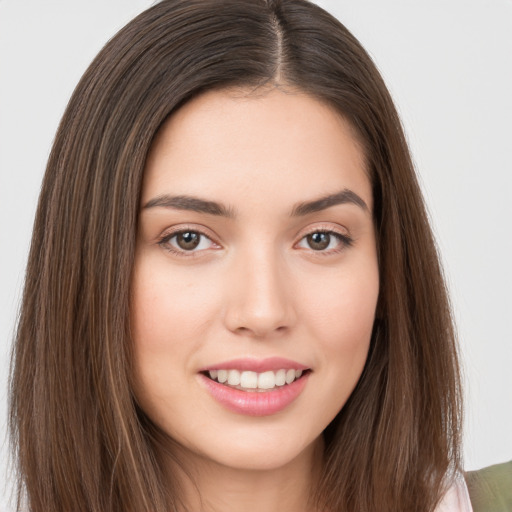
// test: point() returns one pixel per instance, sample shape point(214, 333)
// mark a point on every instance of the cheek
point(171, 316)
point(341, 313)
point(169, 310)
point(163, 330)
point(342, 307)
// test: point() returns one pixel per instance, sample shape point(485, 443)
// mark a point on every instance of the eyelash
point(165, 239)
point(344, 240)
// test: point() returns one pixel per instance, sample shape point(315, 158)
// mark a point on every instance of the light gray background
point(448, 64)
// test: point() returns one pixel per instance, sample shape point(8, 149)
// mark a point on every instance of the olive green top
point(490, 489)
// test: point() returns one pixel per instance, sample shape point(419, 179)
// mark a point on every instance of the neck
point(218, 488)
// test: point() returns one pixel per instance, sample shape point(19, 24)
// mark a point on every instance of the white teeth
point(233, 377)
point(266, 380)
point(280, 377)
point(249, 380)
point(252, 380)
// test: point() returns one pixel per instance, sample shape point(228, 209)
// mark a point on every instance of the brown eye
point(318, 241)
point(325, 242)
point(188, 240)
point(187, 243)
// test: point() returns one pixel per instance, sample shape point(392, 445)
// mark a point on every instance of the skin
point(254, 287)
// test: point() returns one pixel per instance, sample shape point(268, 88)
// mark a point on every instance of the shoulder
point(456, 498)
point(490, 488)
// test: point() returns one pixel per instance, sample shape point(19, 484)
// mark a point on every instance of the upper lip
point(257, 365)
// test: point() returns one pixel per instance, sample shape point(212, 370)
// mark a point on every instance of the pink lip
point(254, 403)
point(257, 365)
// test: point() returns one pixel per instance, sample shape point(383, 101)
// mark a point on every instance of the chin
point(261, 450)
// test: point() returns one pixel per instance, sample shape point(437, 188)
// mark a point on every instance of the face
point(256, 277)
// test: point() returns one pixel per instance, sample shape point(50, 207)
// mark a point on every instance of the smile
point(253, 381)
point(255, 388)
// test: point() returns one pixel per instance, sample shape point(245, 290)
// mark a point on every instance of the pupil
point(319, 241)
point(188, 240)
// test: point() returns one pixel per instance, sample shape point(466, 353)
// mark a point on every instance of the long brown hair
point(79, 438)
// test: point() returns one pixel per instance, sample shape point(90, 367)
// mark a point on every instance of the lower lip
point(255, 403)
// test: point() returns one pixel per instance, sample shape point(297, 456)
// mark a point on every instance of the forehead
point(281, 146)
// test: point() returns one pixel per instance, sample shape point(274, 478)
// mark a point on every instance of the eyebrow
point(190, 203)
point(346, 196)
point(196, 204)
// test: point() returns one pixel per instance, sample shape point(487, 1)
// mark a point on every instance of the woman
point(230, 202)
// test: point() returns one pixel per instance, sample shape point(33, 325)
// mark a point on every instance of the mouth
point(255, 388)
point(250, 381)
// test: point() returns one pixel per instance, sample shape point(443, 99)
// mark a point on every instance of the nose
point(260, 302)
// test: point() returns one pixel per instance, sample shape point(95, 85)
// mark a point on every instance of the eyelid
point(325, 228)
point(167, 235)
point(343, 236)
